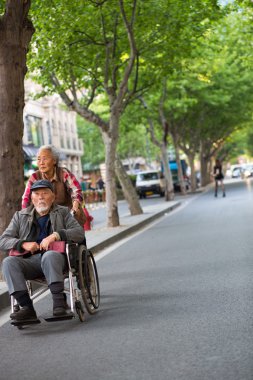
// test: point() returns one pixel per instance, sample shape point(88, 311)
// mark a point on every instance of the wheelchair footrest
point(53, 318)
point(25, 322)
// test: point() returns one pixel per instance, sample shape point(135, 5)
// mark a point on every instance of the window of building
point(34, 130)
point(49, 135)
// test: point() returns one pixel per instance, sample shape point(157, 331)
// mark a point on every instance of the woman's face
point(45, 161)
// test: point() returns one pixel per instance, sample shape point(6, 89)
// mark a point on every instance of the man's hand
point(30, 246)
point(45, 242)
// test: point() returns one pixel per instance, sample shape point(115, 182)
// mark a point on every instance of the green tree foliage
point(222, 65)
point(91, 52)
point(69, 41)
point(94, 153)
point(209, 95)
point(134, 140)
point(248, 141)
point(235, 146)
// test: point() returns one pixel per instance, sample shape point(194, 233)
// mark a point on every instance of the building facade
point(47, 121)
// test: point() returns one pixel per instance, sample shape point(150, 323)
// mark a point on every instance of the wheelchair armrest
point(70, 243)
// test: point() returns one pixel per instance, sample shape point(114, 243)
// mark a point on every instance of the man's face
point(42, 200)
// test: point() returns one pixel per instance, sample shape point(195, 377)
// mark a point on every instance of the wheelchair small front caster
point(80, 311)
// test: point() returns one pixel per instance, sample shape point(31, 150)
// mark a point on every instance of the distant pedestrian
point(83, 184)
point(100, 188)
point(219, 177)
point(100, 184)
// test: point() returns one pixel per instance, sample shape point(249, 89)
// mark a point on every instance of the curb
point(105, 242)
point(4, 299)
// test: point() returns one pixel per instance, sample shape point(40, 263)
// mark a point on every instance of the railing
point(94, 198)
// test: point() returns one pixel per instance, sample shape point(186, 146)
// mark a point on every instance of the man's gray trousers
point(17, 270)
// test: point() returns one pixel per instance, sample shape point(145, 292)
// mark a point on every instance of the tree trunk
point(205, 156)
point(128, 189)
point(193, 174)
point(110, 142)
point(169, 190)
point(15, 34)
point(179, 170)
point(205, 177)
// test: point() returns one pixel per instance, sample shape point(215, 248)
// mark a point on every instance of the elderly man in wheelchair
point(31, 239)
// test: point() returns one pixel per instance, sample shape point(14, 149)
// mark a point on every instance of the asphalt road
point(177, 303)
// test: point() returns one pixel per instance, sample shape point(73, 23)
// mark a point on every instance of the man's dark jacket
point(21, 225)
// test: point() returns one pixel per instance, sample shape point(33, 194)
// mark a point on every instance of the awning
point(30, 152)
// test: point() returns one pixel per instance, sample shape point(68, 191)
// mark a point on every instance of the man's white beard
point(42, 208)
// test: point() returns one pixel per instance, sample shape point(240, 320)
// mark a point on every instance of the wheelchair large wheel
point(88, 279)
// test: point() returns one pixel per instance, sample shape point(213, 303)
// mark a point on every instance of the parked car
point(149, 182)
point(248, 171)
point(237, 172)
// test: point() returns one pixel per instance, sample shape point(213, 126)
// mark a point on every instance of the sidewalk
point(100, 237)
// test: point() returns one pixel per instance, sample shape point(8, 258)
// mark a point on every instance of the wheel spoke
point(88, 280)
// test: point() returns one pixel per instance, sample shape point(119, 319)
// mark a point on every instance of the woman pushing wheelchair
point(66, 187)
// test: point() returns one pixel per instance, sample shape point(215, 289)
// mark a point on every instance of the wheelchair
point(81, 284)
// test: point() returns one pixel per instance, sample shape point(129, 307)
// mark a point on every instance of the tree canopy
point(209, 92)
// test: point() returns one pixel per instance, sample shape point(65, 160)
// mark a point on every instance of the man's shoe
point(24, 314)
point(59, 311)
point(16, 308)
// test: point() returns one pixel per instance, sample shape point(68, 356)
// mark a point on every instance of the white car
point(248, 171)
point(149, 182)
